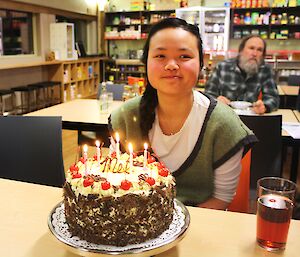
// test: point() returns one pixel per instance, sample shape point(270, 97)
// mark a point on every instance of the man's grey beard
point(250, 68)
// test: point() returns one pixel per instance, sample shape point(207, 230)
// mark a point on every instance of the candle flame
point(130, 148)
point(145, 146)
point(117, 137)
point(97, 143)
point(85, 148)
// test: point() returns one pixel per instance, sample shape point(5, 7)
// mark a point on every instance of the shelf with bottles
point(237, 4)
point(80, 78)
point(284, 67)
point(133, 24)
point(118, 71)
point(268, 22)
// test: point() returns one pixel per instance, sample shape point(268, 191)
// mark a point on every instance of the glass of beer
point(274, 211)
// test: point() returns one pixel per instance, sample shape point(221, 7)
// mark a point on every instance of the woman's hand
point(223, 99)
point(214, 203)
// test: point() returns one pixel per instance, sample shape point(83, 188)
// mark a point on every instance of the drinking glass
point(110, 98)
point(103, 102)
point(274, 211)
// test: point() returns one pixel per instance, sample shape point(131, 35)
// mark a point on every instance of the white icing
point(116, 176)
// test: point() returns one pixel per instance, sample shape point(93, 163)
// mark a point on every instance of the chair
point(25, 97)
point(266, 157)
point(293, 80)
point(7, 103)
point(116, 89)
point(89, 137)
point(31, 149)
point(240, 202)
point(41, 95)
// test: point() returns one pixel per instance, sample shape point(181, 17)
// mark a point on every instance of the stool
point(25, 99)
point(7, 106)
point(54, 93)
point(41, 94)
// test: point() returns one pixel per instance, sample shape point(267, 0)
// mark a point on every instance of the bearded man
point(246, 78)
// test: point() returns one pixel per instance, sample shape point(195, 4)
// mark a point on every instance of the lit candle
point(85, 157)
point(98, 151)
point(118, 145)
point(130, 148)
point(145, 154)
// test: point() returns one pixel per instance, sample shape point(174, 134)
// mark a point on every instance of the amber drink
point(273, 221)
point(274, 212)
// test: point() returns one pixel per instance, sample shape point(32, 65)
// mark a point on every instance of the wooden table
point(24, 232)
point(280, 91)
point(287, 116)
point(290, 116)
point(85, 113)
point(297, 114)
point(290, 90)
point(79, 114)
point(288, 97)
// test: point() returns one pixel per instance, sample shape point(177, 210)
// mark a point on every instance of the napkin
point(292, 128)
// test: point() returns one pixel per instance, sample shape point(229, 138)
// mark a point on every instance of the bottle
point(247, 19)
point(236, 19)
point(126, 93)
point(208, 70)
point(284, 19)
point(103, 99)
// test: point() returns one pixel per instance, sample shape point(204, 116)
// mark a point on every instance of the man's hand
point(223, 99)
point(259, 107)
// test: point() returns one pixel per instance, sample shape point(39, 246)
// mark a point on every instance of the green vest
point(223, 134)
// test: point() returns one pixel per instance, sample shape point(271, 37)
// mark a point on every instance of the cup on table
point(274, 211)
point(110, 98)
point(103, 103)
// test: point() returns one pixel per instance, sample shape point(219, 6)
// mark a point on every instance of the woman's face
point(173, 64)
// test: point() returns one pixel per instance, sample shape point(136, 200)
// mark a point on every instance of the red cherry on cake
point(113, 155)
point(105, 185)
point(73, 167)
point(88, 181)
point(161, 165)
point(76, 175)
point(164, 172)
point(125, 184)
point(82, 159)
point(150, 181)
point(151, 159)
point(95, 157)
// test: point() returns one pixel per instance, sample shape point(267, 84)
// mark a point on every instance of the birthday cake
point(118, 200)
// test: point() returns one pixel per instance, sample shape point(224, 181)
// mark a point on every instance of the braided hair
point(149, 99)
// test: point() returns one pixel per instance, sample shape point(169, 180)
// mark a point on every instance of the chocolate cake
point(114, 202)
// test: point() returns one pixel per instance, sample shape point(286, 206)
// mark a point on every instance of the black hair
point(149, 99)
point(245, 39)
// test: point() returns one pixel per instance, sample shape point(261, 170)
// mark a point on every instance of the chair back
point(31, 149)
point(240, 202)
point(293, 80)
point(116, 89)
point(266, 154)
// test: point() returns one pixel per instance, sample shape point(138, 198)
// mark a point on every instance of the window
point(16, 35)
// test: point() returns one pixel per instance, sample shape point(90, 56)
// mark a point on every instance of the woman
point(199, 140)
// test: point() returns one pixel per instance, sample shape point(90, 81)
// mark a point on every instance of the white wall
point(78, 6)
point(17, 77)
